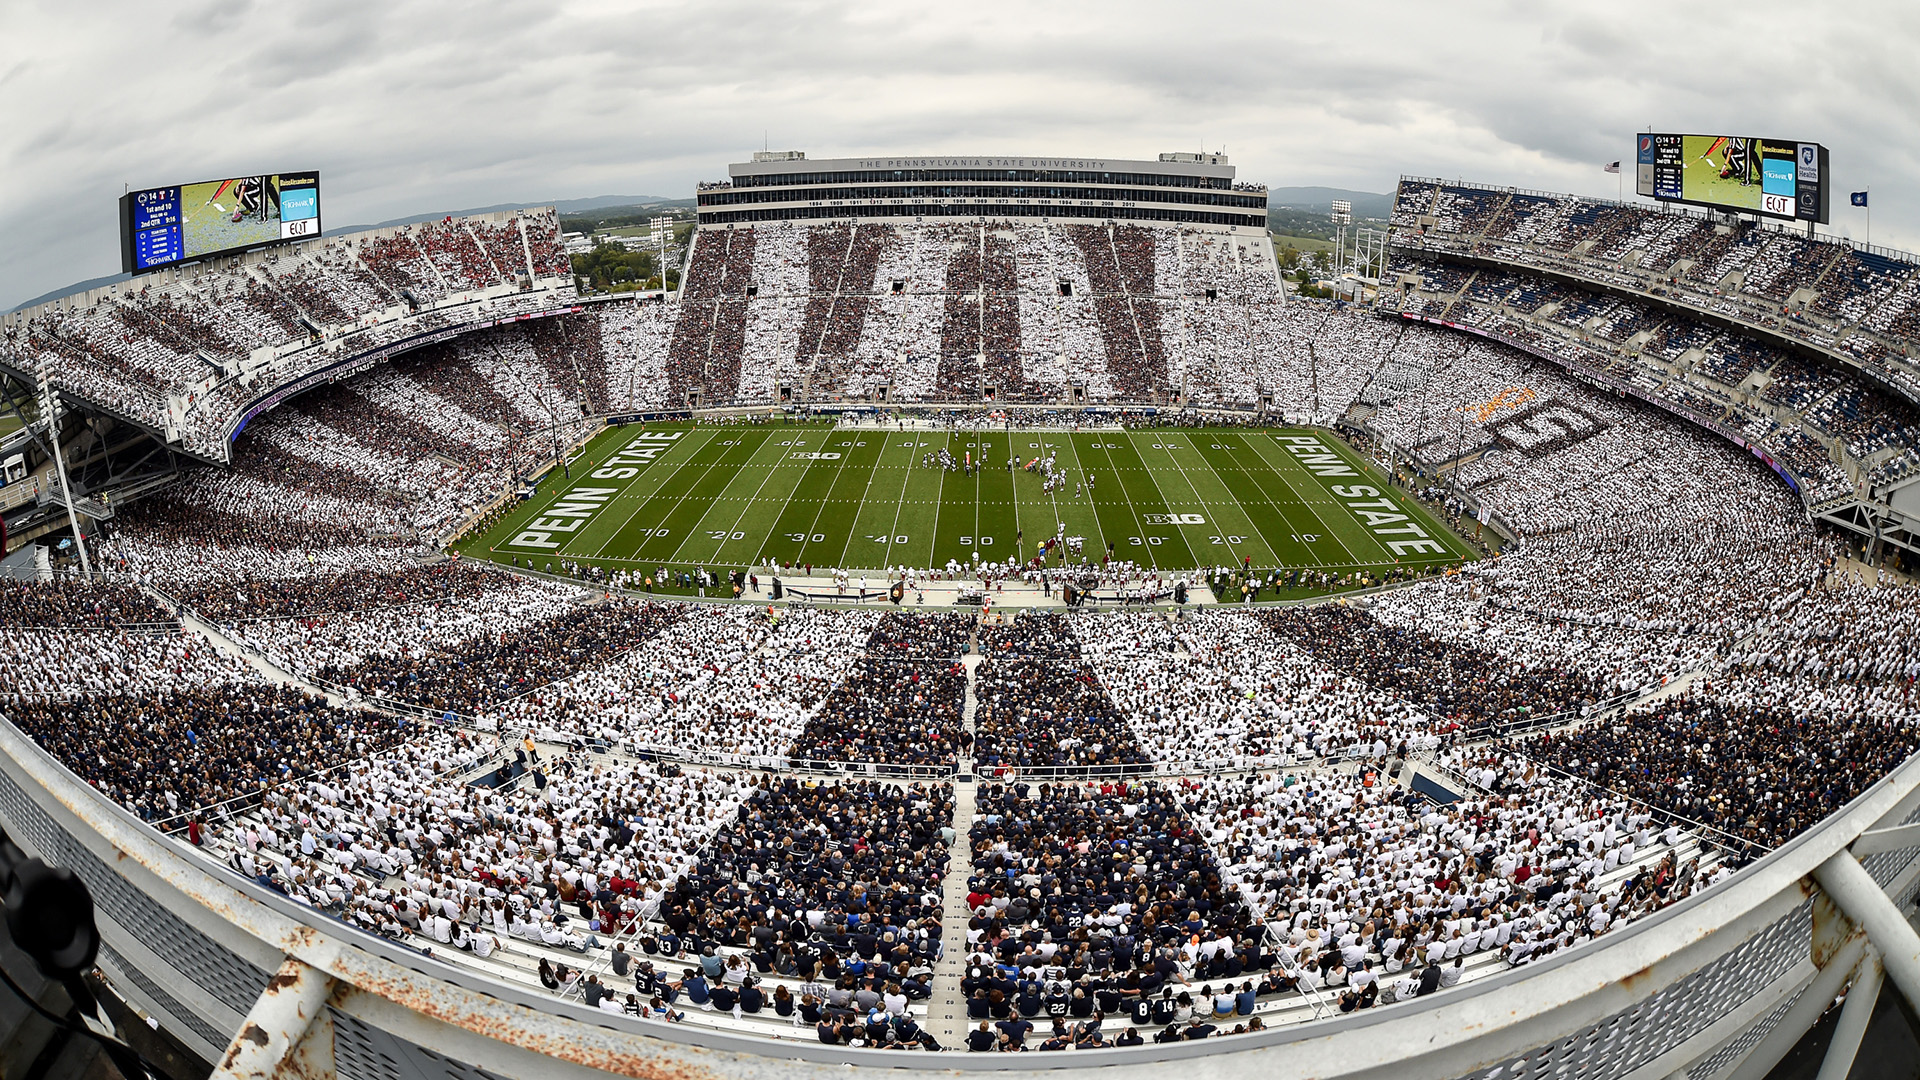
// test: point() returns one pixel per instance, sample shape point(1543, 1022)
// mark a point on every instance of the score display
point(1777, 178)
point(166, 225)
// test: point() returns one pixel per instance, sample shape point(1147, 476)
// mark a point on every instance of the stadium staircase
point(947, 1009)
point(214, 636)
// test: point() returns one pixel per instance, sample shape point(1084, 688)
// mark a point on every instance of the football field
point(643, 497)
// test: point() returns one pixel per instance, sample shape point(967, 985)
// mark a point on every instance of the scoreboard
point(163, 226)
point(1777, 178)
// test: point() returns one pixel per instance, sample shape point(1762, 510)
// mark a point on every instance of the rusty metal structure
point(1717, 987)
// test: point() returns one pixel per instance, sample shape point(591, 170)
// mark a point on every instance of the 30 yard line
point(1192, 549)
point(838, 468)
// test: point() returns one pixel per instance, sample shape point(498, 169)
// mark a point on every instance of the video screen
point(164, 226)
point(1740, 173)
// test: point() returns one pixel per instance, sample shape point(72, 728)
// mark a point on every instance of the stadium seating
point(184, 352)
point(797, 823)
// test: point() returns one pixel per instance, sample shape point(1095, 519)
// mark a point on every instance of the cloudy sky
point(412, 107)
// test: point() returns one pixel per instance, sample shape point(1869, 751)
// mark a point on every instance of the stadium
point(982, 608)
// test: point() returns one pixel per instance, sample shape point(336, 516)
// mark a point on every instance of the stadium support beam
point(1855, 893)
point(51, 415)
point(1805, 1011)
point(1854, 1017)
point(277, 1039)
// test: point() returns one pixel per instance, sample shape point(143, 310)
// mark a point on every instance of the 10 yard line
point(641, 479)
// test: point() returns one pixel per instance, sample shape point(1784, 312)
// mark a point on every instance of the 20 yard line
point(772, 468)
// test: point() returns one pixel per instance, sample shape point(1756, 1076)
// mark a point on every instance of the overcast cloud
point(413, 108)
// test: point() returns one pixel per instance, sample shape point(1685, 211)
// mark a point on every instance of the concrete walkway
point(946, 1009)
point(268, 670)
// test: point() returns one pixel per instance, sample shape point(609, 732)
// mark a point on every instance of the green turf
point(859, 499)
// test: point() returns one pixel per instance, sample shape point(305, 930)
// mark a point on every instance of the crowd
point(1757, 758)
point(592, 799)
point(901, 702)
point(476, 664)
point(1826, 294)
point(76, 602)
point(1102, 878)
point(723, 684)
point(1466, 687)
point(178, 355)
point(203, 735)
point(433, 845)
point(1041, 703)
point(1377, 895)
point(1223, 688)
point(812, 869)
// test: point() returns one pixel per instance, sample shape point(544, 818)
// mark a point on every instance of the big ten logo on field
point(1511, 398)
point(1546, 428)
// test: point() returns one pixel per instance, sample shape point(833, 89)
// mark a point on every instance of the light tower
point(662, 231)
point(1342, 217)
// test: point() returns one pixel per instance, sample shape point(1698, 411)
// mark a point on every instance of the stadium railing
point(1718, 985)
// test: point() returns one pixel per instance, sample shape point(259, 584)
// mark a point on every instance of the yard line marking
point(900, 502)
point(1331, 531)
point(839, 467)
point(746, 506)
point(1201, 500)
point(715, 463)
point(638, 480)
point(1146, 549)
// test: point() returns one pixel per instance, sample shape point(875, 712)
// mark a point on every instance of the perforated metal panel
point(364, 1052)
point(1886, 866)
point(1745, 1041)
point(1629, 1039)
point(159, 996)
point(213, 967)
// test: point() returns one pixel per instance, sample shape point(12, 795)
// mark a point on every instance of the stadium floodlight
point(1342, 217)
point(662, 231)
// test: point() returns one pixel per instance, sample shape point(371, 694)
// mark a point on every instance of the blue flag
point(1859, 198)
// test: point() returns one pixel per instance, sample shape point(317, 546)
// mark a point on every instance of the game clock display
point(160, 227)
point(1777, 178)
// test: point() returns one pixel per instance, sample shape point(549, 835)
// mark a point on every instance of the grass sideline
point(680, 496)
